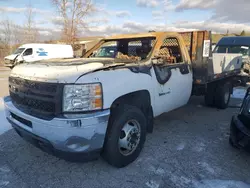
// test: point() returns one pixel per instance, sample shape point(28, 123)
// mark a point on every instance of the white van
point(36, 52)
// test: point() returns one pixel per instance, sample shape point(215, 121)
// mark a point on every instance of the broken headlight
point(85, 97)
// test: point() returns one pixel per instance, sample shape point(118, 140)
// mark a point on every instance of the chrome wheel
point(129, 137)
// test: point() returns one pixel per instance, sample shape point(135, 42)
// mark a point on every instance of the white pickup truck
point(105, 103)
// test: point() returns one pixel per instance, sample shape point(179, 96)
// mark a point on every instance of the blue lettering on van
point(41, 52)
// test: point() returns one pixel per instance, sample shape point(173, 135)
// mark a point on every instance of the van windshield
point(19, 50)
point(244, 50)
point(137, 48)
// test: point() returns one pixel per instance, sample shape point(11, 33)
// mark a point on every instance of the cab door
point(173, 74)
point(27, 55)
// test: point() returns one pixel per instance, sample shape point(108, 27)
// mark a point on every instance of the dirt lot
point(4, 72)
point(189, 148)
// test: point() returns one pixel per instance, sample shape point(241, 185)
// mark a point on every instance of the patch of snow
point(138, 160)
point(4, 183)
point(207, 167)
point(4, 169)
point(220, 184)
point(199, 147)
point(180, 181)
point(185, 180)
point(4, 125)
point(152, 184)
point(239, 93)
point(158, 171)
point(181, 146)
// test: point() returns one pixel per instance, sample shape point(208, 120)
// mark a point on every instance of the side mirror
point(19, 59)
point(94, 53)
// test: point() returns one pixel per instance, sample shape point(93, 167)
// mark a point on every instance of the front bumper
point(8, 63)
point(61, 136)
point(239, 134)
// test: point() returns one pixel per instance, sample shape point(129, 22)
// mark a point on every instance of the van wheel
point(125, 137)
point(210, 94)
point(223, 95)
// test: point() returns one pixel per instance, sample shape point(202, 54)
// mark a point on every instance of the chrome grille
point(40, 99)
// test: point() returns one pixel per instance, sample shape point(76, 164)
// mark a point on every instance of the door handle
point(165, 92)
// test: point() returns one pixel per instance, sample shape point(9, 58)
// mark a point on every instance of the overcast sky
point(140, 15)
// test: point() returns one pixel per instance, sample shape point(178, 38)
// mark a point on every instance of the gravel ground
point(189, 148)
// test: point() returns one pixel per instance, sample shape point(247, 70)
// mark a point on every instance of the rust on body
point(193, 43)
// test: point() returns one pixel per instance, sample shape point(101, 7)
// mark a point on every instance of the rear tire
point(210, 94)
point(223, 95)
point(123, 132)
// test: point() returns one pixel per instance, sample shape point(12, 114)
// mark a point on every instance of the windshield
point(137, 49)
point(19, 50)
point(244, 50)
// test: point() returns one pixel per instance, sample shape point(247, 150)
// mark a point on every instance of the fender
point(111, 80)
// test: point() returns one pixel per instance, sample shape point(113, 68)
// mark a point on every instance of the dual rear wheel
point(218, 94)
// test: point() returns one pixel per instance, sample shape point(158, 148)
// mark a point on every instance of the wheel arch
point(140, 99)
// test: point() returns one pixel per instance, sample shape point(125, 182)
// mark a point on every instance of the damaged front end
point(240, 125)
point(9, 63)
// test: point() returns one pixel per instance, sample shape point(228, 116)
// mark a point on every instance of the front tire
point(125, 136)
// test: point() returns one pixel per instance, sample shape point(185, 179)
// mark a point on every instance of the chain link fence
point(187, 36)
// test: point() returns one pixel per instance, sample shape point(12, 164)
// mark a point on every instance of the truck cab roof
point(141, 35)
point(234, 41)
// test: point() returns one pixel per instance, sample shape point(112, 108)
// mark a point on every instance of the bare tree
point(74, 14)
point(18, 34)
point(6, 32)
point(30, 30)
point(6, 38)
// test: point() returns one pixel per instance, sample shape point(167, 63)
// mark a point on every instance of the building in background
point(84, 44)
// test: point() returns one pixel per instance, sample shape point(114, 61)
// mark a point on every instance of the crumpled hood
point(11, 57)
point(60, 72)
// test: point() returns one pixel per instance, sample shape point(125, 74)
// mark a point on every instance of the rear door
point(173, 74)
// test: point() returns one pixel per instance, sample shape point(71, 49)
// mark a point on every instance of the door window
point(27, 52)
point(170, 51)
point(169, 57)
